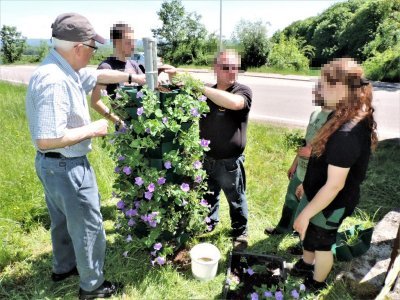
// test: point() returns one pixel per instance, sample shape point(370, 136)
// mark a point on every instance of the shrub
point(384, 66)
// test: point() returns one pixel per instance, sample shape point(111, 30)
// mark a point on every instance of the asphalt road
point(280, 99)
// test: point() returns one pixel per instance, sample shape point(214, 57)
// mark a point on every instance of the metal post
point(150, 62)
point(220, 25)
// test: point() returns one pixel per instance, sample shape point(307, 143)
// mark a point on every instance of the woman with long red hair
point(337, 167)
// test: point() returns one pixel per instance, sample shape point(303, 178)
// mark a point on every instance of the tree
point(181, 39)
point(254, 44)
point(13, 44)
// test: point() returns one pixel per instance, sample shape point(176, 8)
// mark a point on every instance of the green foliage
point(253, 41)
point(13, 44)
point(182, 38)
point(289, 53)
point(101, 54)
point(161, 202)
point(384, 66)
point(293, 140)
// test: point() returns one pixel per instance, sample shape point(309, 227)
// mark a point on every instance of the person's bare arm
point(99, 105)
point(224, 99)
point(106, 76)
point(75, 135)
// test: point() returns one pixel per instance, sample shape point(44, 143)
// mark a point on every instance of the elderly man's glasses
point(90, 46)
point(229, 67)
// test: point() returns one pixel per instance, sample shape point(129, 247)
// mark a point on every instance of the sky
point(33, 18)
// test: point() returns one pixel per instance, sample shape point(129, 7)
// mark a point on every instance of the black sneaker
point(106, 290)
point(240, 242)
point(59, 277)
point(271, 231)
point(314, 286)
point(302, 268)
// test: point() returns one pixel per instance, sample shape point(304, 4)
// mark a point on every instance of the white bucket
point(204, 259)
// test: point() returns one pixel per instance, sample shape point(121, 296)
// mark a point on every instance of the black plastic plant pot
point(268, 270)
point(156, 163)
point(172, 177)
point(161, 149)
point(140, 230)
point(133, 97)
point(168, 96)
point(132, 112)
point(168, 136)
point(185, 126)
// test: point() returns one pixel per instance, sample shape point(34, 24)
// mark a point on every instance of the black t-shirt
point(348, 147)
point(225, 128)
point(116, 64)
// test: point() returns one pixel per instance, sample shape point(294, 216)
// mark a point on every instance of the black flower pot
point(161, 149)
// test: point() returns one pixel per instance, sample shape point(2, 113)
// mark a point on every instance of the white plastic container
point(204, 259)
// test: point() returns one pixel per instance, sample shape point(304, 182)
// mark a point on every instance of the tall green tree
point(253, 41)
point(182, 38)
point(13, 44)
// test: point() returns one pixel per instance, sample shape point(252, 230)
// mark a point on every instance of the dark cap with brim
point(74, 27)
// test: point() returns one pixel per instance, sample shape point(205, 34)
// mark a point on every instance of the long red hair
point(356, 105)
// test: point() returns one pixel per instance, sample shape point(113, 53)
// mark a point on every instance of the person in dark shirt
point(337, 167)
point(225, 127)
point(121, 36)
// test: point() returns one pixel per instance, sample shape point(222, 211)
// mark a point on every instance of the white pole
point(150, 62)
point(220, 25)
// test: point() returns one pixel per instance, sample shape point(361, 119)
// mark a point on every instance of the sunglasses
point(229, 67)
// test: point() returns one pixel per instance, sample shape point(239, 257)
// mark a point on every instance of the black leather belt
point(53, 155)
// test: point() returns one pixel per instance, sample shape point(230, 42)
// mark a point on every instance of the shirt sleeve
point(88, 79)
point(247, 94)
point(342, 149)
point(52, 111)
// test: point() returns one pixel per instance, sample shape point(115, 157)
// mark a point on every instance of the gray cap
point(74, 27)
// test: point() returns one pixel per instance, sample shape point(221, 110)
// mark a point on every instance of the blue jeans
point(227, 175)
point(77, 232)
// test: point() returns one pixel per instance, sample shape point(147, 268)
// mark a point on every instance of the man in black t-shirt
point(123, 43)
point(225, 127)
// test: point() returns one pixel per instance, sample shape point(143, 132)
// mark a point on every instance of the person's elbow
point(336, 186)
point(238, 105)
point(43, 144)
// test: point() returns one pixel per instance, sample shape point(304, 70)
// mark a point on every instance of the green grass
point(25, 251)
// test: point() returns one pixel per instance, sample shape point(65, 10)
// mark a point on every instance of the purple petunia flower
point(103, 93)
point(152, 223)
point(131, 222)
point(167, 165)
point(121, 204)
point(153, 253)
point(125, 254)
point(137, 204)
point(161, 180)
point(147, 130)
point(121, 158)
point(160, 260)
point(139, 95)
point(268, 294)
point(145, 218)
point(139, 111)
point(127, 170)
point(194, 112)
point(197, 164)
point(302, 287)
point(198, 179)
point(148, 195)
point(254, 296)
point(157, 246)
point(203, 202)
point(278, 295)
point(131, 213)
point(117, 169)
point(207, 220)
point(202, 98)
point(295, 294)
point(151, 187)
point(185, 187)
point(210, 228)
point(165, 120)
point(122, 129)
point(129, 238)
point(139, 181)
point(250, 271)
point(204, 143)
point(118, 96)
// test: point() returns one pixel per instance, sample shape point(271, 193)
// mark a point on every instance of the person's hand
point(140, 79)
point(99, 127)
point(170, 70)
point(299, 191)
point(291, 171)
point(300, 225)
point(305, 151)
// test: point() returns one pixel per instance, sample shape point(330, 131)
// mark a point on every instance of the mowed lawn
point(25, 249)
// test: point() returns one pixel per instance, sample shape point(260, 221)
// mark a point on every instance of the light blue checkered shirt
point(56, 100)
